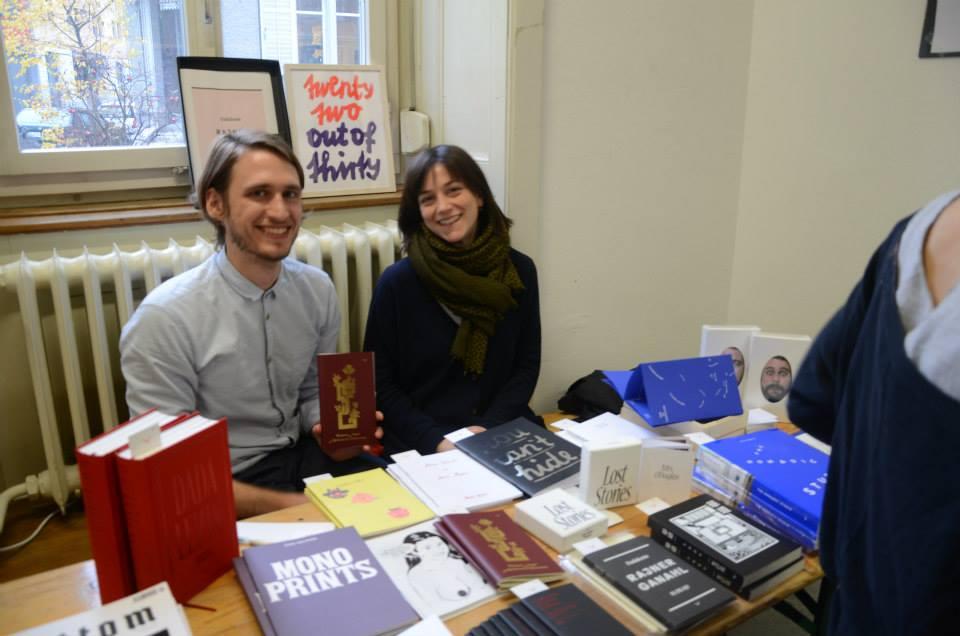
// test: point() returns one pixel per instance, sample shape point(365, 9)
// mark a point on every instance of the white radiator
point(354, 258)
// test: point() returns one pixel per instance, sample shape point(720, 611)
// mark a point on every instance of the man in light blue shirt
point(238, 335)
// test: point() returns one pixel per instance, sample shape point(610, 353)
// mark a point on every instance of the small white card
point(260, 533)
point(430, 626)
point(761, 416)
point(528, 588)
point(587, 546)
point(405, 455)
point(696, 440)
point(652, 505)
point(666, 471)
point(455, 436)
point(613, 518)
point(145, 442)
point(320, 477)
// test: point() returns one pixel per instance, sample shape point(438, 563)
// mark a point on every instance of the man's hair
point(461, 167)
point(789, 366)
point(224, 153)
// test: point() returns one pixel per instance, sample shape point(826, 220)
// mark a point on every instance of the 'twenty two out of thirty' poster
point(340, 124)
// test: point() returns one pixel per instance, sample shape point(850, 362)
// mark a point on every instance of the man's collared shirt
point(212, 341)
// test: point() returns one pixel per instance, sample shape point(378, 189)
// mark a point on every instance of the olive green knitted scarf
point(476, 283)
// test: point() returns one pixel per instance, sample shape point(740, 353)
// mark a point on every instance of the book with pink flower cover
point(371, 501)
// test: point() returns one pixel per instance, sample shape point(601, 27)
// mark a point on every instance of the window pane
point(348, 40)
point(291, 32)
point(94, 73)
point(309, 39)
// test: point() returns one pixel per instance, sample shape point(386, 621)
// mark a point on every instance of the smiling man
point(238, 335)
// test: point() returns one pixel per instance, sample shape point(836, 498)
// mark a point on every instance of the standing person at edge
point(456, 324)
point(881, 384)
point(238, 335)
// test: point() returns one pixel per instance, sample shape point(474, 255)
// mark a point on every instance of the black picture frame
point(930, 29)
point(226, 73)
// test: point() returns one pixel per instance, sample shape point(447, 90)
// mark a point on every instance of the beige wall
point(847, 130)
point(643, 109)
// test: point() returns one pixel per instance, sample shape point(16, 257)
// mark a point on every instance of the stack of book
point(724, 544)
point(371, 501)
point(451, 481)
point(771, 476)
point(494, 544)
point(563, 610)
point(662, 592)
point(158, 493)
point(528, 456)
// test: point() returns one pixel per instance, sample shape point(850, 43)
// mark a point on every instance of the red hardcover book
point(178, 503)
point(106, 525)
point(348, 403)
point(499, 548)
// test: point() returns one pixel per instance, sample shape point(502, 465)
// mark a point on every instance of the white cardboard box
point(560, 519)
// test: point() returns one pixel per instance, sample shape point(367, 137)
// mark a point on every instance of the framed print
point(222, 94)
point(341, 128)
point(941, 29)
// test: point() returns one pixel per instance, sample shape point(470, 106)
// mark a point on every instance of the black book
point(524, 613)
point(497, 627)
point(529, 456)
point(517, 625)
point(723, 542)
point(567, 611)
point(668, 588)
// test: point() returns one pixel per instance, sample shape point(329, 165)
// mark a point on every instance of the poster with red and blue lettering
point(340, 123)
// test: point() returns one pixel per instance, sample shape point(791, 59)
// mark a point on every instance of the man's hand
point(447, 445)
point(343, 454)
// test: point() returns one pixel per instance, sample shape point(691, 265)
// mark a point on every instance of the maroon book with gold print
point(348, 402)
point(503, 552)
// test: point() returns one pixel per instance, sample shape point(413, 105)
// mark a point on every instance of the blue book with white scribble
point(673, 391)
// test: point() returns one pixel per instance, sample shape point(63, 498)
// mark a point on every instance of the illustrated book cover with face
point(772, 469)
point(671, 590)
point(672, 391)
point(348, 402)
point(327, 580)
point(774, 360)
point(371, 501)
point(730, 340)
point(729, 546)
point(498, 547)
point(430, 572)
point(529, 456)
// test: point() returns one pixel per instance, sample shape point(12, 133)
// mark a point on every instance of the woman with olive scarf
point(456, 324)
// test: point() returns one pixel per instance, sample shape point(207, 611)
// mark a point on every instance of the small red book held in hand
point(348, 403)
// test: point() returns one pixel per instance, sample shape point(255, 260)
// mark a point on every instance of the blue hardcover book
point(772, 468)
point(682, 390)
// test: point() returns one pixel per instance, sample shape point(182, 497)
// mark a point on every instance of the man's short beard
point(774, 392)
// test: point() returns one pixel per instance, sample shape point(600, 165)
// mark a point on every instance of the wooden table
point(44, 597)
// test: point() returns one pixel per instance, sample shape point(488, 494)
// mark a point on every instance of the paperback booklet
point(723, 542)
point(146, 613)
point(179, 508)
point(371, 501)
point(103, 503)
point(348, 402)
point(498, 547)
point(330, 580)
point(452, 481)
point(671, 590)
point(430, 572)
point(529, 456)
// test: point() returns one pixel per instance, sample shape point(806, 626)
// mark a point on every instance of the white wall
point(643, 109)
point(847, 131)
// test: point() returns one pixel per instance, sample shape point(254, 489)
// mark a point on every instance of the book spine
point(774, 500)
point(140, 506)
point(719, 469)
point(697, 557)
point(106, 526)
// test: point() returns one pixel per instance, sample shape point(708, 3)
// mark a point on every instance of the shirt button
point(268, 317)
